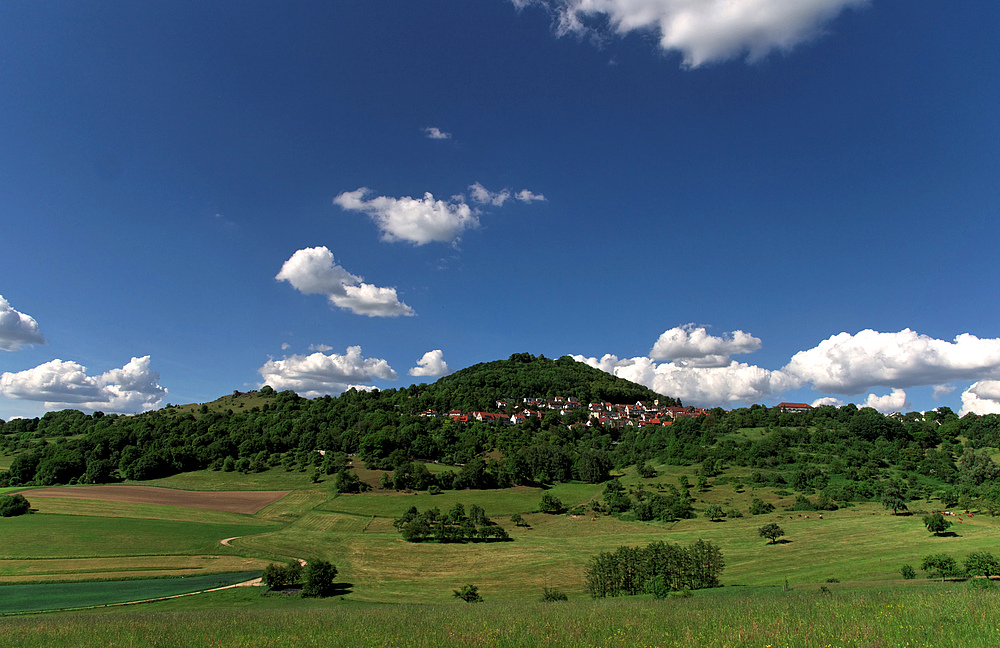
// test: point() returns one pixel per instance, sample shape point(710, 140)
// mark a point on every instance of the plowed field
point(247, 502)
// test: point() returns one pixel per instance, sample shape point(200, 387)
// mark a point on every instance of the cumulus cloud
point(17, 329)
point(698, 368)
point(710, 386)
point(431, 364)
point(827, 400)
point(693, 346)
point(322, 348)
point(428, 220)
point(983, 397)
point(850, 364)
point(436, 133)
point(702, 31)
point(893, 402)
point(417, 220)
point(313, 271)
point(66, 384)
point(319, 374)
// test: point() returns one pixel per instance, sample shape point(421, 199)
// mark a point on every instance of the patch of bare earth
point(247, 502)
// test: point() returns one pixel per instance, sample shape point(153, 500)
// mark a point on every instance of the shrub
point(319, 579)
point(647, 472)
point(551, 595)
point(469, 593)
point(12, 505)
point(908, 572)
point(760, 507)
point(551, 504)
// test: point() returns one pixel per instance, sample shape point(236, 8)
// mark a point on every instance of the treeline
point(658, 569)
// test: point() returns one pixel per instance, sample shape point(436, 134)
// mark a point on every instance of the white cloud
point(827, 400)
point(66, 384)
point(526, 196)
point(702, 31)
point(322, 348)
point(943, 390)
point(706, 386)
point(693, 346)
point(428, 220)
point(893, 402)
point(285, 345)
point(417, 220)
point(313, 271)
point(436, 133)
point(17, 329)
point(431, 364)
point(318, 374)
point(850, 364)
point(699, 370)
point(982, 397)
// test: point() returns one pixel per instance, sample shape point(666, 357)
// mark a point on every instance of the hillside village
point(640, 414)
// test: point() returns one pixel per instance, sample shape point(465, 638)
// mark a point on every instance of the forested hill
point(526, 376)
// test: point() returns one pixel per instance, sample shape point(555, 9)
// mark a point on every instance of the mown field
point(862, 546)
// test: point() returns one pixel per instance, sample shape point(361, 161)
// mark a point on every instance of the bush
point(908, 572)
point(647, 472)
point(551, 595)
point(13, 505)
point(551, 504)
point(469, 593)
point(278, 576)
point(760, 507)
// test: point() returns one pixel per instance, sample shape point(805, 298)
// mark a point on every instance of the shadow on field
point(947, 534)
point(783, 541)
point(341, 589)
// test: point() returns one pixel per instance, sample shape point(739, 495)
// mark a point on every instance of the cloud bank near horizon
point(65, 384)
point(706, 31)
point(842, 364)
point(319, 374)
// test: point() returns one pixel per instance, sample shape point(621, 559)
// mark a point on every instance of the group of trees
point(942, 565)
point(667, 506)
point(658, 569)
point(453, 526)
point(316, 579)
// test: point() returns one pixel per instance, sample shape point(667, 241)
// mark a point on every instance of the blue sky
point(733, 202)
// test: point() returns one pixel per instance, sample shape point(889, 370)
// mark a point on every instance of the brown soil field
point(247, 502)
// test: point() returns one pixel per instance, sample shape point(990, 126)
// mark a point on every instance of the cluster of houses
point(641, 413)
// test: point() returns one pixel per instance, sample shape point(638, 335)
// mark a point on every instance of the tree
point(278, 576)
point(982, 563)
point(939, 566)
point(469, 593)
point(894, 497)
point(551, 504)
point(714, 512)
point(319, 579)
point(760, 507)
point(518, 520)
point(13, 505)
point(936, 523)
point(771, 531)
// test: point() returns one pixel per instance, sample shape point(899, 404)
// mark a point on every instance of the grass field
point(75, 539)
point(949, 616)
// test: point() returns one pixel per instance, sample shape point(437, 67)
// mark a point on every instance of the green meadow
point(861, 547)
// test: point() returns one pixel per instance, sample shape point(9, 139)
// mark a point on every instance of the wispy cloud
point(435, 133)
point(703, 31)
point(313, 271)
